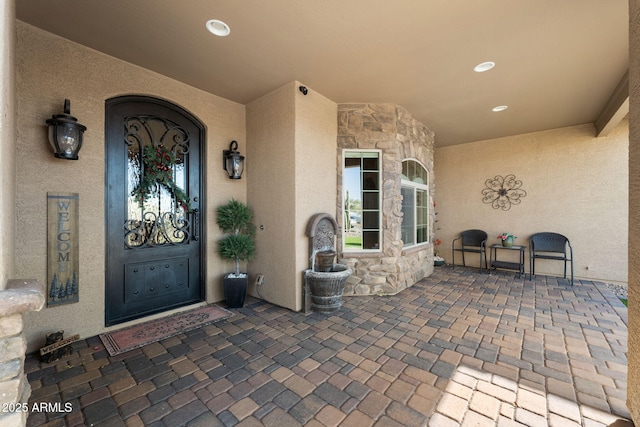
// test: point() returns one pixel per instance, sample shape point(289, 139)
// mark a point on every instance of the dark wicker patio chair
point(474, 241)
point(550, 246)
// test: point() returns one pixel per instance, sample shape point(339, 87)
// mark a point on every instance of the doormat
point(136, 336)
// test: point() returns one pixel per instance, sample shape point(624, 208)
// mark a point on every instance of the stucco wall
point(575, 185)
point(7, 140)
point(292, 142)
point(633, 383)
point(271, 192)
point(50, 69)
point(316, 174)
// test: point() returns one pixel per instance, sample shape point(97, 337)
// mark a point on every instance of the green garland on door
point(158, 167)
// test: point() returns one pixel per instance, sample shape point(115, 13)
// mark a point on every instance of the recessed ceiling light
point(499, 108)
point(218, 28)
point(485, 66)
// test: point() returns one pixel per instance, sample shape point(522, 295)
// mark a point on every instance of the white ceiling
point(558, 62)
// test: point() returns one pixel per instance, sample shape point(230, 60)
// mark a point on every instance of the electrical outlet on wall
point(260, 280)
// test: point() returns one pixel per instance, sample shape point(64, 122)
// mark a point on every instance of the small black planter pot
point(235, 290)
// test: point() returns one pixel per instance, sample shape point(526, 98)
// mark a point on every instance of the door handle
point(196, 225)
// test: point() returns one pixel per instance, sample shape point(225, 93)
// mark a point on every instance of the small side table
point(494, 263)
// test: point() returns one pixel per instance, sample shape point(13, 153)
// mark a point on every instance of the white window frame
point(405, 183)
point(345, 248)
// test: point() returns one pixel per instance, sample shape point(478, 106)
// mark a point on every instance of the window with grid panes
point(415, 203)
point(361, 201)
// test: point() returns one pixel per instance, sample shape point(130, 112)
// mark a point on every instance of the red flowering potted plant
point(437, 259)
point(507, 239)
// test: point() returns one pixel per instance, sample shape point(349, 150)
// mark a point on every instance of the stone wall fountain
point(324, 281)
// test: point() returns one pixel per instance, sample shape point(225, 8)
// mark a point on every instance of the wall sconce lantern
point(232, 161)
point(65, 134)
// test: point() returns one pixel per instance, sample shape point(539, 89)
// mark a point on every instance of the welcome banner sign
point(62, 248)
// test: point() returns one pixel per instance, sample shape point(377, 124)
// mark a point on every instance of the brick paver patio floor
point(458, 348)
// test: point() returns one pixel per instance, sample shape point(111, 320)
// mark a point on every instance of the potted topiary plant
point(235, 218)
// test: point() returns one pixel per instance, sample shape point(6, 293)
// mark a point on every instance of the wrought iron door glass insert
point(159, 218)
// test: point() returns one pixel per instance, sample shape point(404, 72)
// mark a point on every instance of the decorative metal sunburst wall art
point(501, 192)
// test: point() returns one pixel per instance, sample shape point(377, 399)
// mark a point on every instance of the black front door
point(153, 196)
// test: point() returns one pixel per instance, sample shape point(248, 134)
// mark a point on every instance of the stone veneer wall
point(19, 297)
point(399, 136)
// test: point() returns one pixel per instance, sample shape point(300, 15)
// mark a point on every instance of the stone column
point(19, 297)
point(392, 130)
